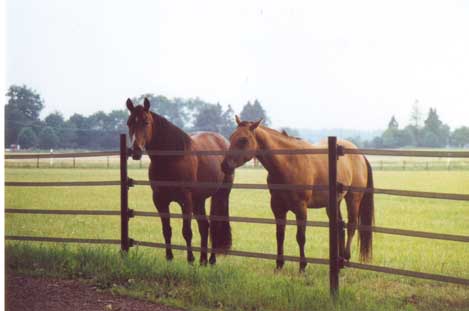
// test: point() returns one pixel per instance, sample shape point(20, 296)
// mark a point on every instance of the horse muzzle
point(137, 154)
point(226, 167)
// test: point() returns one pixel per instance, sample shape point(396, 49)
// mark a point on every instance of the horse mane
point(167, 136)
point(283, 134)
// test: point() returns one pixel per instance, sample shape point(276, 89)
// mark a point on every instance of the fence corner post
point(333, 219)
point(124, 195)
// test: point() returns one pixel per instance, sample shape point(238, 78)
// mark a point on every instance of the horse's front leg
point(280, 214)
point(301, 215)
point(187, 208)
point(162, 207)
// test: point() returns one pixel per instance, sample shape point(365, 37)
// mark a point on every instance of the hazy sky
point(322, 64)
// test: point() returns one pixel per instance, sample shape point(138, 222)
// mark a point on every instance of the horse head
point(243, 145)
point(140, 124)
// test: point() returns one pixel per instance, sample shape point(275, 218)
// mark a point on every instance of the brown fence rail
point(18, 156)
point(395, 192)
point(332, 151)
point(253, 220)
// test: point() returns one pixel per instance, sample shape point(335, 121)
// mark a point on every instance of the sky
point(312, 64)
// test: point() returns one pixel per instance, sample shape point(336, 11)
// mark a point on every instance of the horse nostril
point(137, 154)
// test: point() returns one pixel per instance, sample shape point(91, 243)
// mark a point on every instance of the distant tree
point(210, 119)
point(416, 115)
point(22, 110)
point(460, 137)
point(393, 123)
point(27, 138)
point(356, 140)
point(55, 120)
point(26, 100)
point(377, 142)
point(229, 124)
point(290, 131)
point(48, 138)
point(253, 112)
point(391, 136)
point(435, 133)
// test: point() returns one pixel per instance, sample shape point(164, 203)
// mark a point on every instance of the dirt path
point(26, 293)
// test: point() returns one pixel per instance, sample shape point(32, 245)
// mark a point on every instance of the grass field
point(241, 283)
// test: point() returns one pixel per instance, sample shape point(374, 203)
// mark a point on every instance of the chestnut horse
point(308, 169)
point(152, 132)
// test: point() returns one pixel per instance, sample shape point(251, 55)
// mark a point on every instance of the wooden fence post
point(124, 195)
point(333, 219)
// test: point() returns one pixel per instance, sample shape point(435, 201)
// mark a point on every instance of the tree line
point(100, 130)
point(431, 133)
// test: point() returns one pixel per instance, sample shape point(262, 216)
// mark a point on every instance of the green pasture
point(242, 283)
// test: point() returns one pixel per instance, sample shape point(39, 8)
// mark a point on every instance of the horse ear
point(130, 105)
point(254, 125)
point(146, 105)
point(238, 120)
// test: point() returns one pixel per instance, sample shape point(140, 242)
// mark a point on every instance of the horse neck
point(267, 141)
point(167, 136)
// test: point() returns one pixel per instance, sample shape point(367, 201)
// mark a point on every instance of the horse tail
point(366, 218)
point(220, 230)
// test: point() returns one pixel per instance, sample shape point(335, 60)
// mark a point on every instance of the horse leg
point(353, 204)
point(280, 217)
point(341, 234)
point(202, 222)
point(301, 216)
point(162, 207)
point(186, 225)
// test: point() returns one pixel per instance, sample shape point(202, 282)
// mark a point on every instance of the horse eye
point(242, 141)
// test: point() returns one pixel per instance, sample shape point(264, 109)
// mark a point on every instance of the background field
point(377, 162)
point(365, 289)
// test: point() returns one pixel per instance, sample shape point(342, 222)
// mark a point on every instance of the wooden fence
point(333, 152)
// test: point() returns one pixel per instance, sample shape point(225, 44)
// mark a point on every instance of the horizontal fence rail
point(409, 153)
point(61, 240)
point(61, 183)
point(61, 212)
point(10, 156)
point(394, 192)
point(254, 220)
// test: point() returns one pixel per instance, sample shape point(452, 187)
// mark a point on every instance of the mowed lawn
point(368, 289)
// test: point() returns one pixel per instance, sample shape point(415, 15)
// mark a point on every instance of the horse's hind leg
point(301, 216)
point(353, 200)
point(202, 222)
point(341, 234)
point(280, 216)
point(186, 225)
point(163, 208)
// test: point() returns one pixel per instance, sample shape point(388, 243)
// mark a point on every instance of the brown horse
point(152, 132)
point(310, 169)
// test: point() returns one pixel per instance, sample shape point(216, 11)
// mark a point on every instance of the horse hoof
point(203, 262)
point(169, 257)
point(302, 267)
point(213, 260)
point(190, 258)
point(280, 264)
